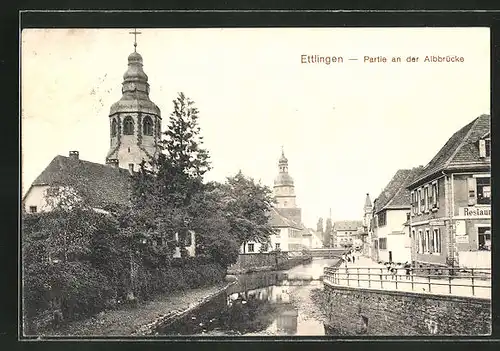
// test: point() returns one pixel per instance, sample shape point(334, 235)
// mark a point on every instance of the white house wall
point(395, 220)
point(282, 239)
point(36, 196)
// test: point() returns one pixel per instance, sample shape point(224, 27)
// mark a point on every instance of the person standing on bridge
point(407, 267)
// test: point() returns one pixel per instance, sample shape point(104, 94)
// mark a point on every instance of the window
point(277, 232)
point(484, 238)
point(434, 195)
point(413, 203)
point(412, 234)
point(250, 247)
point(263, 248)
point(128, 126)
point(419, 197)
point(436, 233)
point(426, 199)
point(147, 126)
point(427, 243)
point(375, 244)
point(187, 238)
point(382, 218)
point(383, 243)
point(277, 246)
point(485, 148)
point(32, 209)
point(421, 200)
point(483, 188)
point(114, 128)
point(420, 243)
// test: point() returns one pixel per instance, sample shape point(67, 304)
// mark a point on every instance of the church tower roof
point(135, 89)
point(283, 177)
point(368, 203)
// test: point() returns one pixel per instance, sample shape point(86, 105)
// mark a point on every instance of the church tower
point(284, 192)
point(134, 120)
point(367, 211)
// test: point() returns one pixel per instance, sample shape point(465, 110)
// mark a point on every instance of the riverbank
point(143, 319)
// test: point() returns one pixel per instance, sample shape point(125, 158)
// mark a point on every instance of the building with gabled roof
point(345, 232)
point(101, 185)
point(450, 218)
point(390, 240)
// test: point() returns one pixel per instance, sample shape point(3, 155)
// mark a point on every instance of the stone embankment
point(172, 316)
point(147, 317)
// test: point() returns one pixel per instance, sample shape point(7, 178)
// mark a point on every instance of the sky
point(346, 128)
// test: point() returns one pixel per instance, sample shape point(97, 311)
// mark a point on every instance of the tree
point(328, 233)
point(319, 226)
point(184, 161)
point(214, 239)
point(248, 205)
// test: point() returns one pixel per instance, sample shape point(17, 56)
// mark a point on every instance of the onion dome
point(283, 177)
point(283, 159)
point(135, 90)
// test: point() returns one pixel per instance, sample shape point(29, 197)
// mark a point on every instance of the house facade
point(345, 232)
point(450, 220)
point(287, 236)
point(390, 237)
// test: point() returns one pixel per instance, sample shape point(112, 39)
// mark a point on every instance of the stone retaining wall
point(354, 311)
point(169, 318)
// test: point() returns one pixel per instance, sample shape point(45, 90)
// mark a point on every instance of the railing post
point(369, 278)
point(347, 271)
point(472, 280)
point(429, 279)
point(381, 277)
point(449, 281)
point(411, 277)
point(357, 271)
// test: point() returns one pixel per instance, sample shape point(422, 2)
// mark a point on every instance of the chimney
point(131, 168)
point(113, 162)
point(75, 155)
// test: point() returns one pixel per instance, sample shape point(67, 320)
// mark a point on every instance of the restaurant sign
point(473, 212)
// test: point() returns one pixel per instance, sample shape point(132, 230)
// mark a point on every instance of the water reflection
point(263, 303)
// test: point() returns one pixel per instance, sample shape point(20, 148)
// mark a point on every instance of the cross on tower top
point(135, 32)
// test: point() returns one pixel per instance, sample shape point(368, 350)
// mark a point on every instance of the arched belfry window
point(147, 126)
point(128, 126)
point(114, 128)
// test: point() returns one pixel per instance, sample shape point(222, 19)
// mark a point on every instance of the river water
point(263, 303)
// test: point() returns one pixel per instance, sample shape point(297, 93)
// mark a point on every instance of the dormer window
point(485, 147)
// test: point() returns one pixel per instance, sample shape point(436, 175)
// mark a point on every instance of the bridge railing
point(467, 282)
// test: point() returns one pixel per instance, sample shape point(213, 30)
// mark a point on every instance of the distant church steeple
point(134, 120)
point(284, 191)
point(367, 211)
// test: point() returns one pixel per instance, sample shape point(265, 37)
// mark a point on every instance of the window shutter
point(482, 148)
point(471, 186)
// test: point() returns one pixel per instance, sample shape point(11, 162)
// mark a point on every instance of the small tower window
point(147, 126)
point(128, 126)
point(114, 128)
